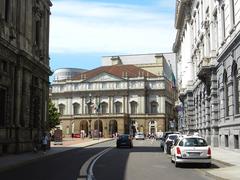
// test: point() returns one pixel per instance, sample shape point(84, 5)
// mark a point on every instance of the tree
point(53, 116)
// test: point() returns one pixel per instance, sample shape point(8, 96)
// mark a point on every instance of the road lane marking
point(86, 172)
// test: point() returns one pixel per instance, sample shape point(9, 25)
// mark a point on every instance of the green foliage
point(53, 116)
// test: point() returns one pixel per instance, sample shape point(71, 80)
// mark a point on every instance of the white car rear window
point(193, 142)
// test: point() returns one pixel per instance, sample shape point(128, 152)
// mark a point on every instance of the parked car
point(191, 149)
point(139, 135)
point(169, 141)
point(124, 140)
point(163, 138)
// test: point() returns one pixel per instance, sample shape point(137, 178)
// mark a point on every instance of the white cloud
point(80, 27)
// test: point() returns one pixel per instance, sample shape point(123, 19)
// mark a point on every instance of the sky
point(82, 31)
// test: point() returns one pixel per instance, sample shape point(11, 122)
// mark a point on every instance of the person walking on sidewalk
point(44, 142)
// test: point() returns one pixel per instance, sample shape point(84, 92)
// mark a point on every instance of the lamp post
point(89, 112)
point(98, 120)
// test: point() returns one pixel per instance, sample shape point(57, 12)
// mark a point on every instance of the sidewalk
point(229, 158)
point(15, 160)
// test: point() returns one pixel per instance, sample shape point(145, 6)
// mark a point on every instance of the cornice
point(180, 12)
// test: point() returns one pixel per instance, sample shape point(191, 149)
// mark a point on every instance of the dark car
point(169, 141)
point(164, 137)
point(124, 140)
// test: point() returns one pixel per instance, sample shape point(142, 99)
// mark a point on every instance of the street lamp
point(89, 112)
point(98, 120)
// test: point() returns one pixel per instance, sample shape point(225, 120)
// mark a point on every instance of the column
point(18, 95)
point(162, 104)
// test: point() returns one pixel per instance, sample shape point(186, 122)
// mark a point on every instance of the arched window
point(133, 107)
point(118, 107)
point(154, 107)
point(225, 89)
point(235, 88)
point(104, 108)
point(76, 108)
point(61, 109)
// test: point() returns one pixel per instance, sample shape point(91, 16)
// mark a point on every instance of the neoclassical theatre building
point(117, 97)
point(207, 47)
point(24, 72)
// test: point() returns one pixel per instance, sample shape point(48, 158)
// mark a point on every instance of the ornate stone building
point(207, 48)
point(122, 98)
point(24, 72)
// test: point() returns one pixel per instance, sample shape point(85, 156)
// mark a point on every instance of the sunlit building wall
point(122, 98)
point(210, 104)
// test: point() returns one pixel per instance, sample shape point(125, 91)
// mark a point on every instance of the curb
point(46, 156)
point(208, 174)
point(222, 162)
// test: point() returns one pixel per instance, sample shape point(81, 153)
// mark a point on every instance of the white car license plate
point(194, 154)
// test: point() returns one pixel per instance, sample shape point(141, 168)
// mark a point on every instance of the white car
point(139, 135)
point(191, 149)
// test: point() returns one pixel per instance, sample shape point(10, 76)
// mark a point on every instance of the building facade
point(207, 48)
point(24, 72)
point(120, 98)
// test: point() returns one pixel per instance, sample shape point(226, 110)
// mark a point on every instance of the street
point(144, 161)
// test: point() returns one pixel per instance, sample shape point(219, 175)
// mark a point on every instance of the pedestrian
point(44, 142)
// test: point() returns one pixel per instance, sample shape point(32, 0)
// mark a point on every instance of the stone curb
point(222, 162)
point(208, 174)
point(19, 164)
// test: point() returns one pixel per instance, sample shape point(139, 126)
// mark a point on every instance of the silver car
point(139, 135)
point(191, 149)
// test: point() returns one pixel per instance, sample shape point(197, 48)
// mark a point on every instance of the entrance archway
point(84, 126)
point(113, 127)
point(152, 127)
point(100, 126)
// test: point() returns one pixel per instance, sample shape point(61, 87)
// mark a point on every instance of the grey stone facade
point(24, 72)
point(229, 114)
point(207, 46)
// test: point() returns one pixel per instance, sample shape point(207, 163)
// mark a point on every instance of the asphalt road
point(63, 166)
point(144, 161)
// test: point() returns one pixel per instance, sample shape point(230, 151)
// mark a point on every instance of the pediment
point(104, 77)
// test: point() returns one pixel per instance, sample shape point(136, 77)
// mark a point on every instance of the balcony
point(204, 68)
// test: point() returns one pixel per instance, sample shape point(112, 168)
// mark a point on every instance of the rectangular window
point(37, 33)
point(215, 30)
point(6, 13)
point(4, 66)
point(232, 12)
point(236, 142)
point(220, 140)
point(2, 106)
point(226, 141)
point(223, 22)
